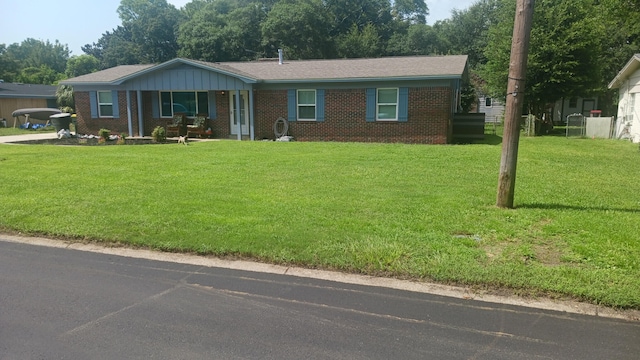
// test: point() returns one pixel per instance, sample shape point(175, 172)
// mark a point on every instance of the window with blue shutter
point(320, 105)
point(291, 105)
point(403, 105)
point(93, 102)
point(371, 105)
point(114, 104)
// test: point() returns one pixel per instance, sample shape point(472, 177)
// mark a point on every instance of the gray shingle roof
point(12, 90)
point(108, 75)
point(323, 70)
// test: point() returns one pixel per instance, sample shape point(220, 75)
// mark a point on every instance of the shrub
point(159, 134)
point(122, 139)
point(104, 134)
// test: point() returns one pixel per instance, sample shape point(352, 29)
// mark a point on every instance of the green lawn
point(409, 211)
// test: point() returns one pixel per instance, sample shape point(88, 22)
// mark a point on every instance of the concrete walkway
point(26, 137)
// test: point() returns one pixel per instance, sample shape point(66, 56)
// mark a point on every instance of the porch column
point(129, 120)
point(140, 119)
point(251, 129)
point(238, 112)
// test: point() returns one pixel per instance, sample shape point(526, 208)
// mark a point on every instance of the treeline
point(577, 46)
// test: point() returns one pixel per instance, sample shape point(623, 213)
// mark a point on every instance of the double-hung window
point(187, 102)
point(105, 104)
point(306, 104)
point(387, 104)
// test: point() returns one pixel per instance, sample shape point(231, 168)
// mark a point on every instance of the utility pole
point(515, 96)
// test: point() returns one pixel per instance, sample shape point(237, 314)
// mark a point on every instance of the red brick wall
point(89, 125)
point(345, 118)
point(429, 119)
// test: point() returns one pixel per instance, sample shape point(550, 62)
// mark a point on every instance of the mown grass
point(409, 211)
point(17, 131)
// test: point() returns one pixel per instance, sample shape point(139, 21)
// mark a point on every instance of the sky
point(80, 22)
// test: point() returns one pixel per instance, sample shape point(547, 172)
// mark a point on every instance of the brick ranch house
point(394, 99)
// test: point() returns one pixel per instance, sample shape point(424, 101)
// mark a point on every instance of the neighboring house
point(20, 96)
point(574, 105)
point(401, 99)
point(628, 84)
point(492, 108)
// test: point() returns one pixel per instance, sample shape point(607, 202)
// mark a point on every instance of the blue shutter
point(114, 99)
point(93, 102)
point(291, 105)
point(320, 105)
point(155, 105)
point(403, 105)
point(213, 114)
point(371, 105)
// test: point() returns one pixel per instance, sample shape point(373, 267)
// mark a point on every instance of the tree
point(39, 75)
point(9, 67)
point(563, 60)
point(114, 48)
point(82, 64)
point(414, 11)
point(301, 27)
point(466, 32)
point(359, 43)
point(153, 25)
point(64, 98)
point(221, 33)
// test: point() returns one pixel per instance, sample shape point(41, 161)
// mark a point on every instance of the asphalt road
point(68, 304)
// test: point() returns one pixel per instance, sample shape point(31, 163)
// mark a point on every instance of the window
point(188, 102)
point(387, 104)
point(488, 102)
point(105, 104)
point(573, 103)
point(631, 109)
point(306, 103)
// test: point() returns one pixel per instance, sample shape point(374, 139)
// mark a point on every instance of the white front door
point(244, 112)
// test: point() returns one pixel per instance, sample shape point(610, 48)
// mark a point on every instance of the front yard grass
point(408, 211)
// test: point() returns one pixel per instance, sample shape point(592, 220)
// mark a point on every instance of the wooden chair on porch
point(199, 126)
point(176, 126)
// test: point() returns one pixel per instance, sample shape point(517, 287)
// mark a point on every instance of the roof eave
point(170, 63)
point(347, 80)
point(623, 74)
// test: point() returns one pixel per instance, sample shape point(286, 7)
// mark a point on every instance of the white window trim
point(171, 96)
point(315, 105)
point(397, 103)
point(103, 104)
point(490, 100)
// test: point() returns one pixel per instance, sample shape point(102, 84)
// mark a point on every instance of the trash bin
point(3, 123)
point(61, 121)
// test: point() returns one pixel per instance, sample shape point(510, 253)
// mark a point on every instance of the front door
point(244, 112)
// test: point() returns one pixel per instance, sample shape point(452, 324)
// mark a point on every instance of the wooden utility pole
point(515, 96)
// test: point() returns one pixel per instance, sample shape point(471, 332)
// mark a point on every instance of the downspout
point(251, 120)
point(129, 120)
point(140, 119)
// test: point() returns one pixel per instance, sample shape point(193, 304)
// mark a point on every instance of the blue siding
point(186, 78)
point(93, 101)
point(116, 106)
point(291, 105)
point(403, 105)
point(371, 105)
point(320, 105)
point(213, 114)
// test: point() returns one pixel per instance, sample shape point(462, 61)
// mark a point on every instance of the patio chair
point(176, 126)
point(199, 126)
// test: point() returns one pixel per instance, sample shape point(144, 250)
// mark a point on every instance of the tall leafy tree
point(414, 11)
point(82, 64)
point(114, 48)
point(301, 27)
point(223, 33)
point(467, 31)
point(153, 25)
point(563, 57)
point(360, 43)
